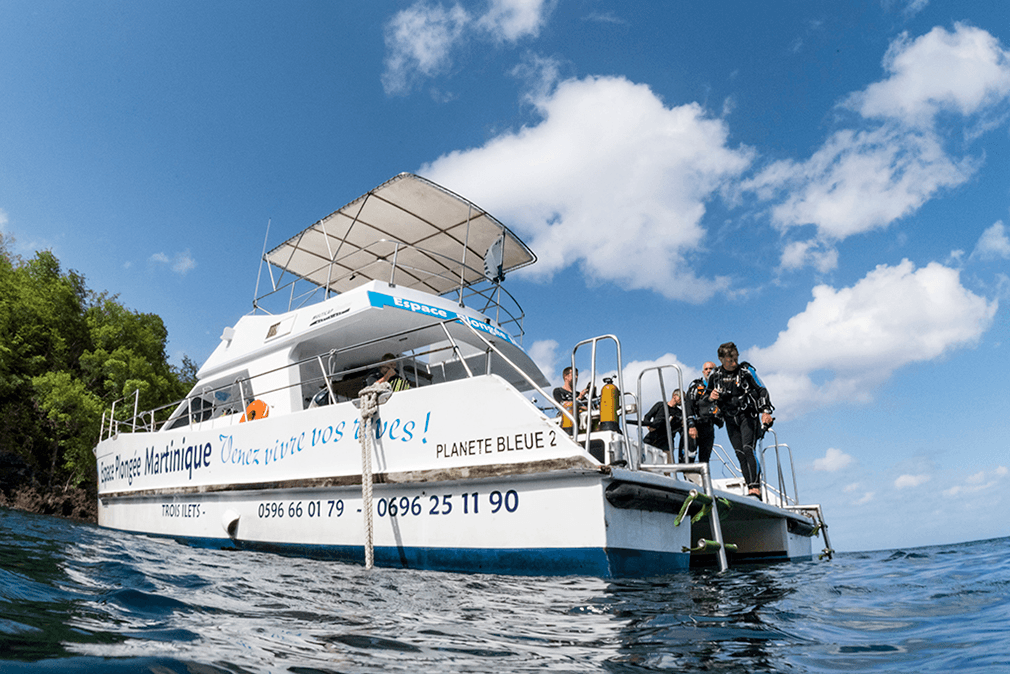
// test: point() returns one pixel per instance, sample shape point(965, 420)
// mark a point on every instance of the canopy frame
point(408, 231)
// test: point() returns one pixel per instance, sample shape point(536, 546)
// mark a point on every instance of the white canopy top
point(437, 238)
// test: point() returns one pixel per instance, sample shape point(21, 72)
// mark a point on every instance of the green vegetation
point(66, 353)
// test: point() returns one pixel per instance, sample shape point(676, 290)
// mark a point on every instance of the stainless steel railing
point(508, 313)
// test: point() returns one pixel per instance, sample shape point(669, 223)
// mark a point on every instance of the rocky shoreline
point(73, 503)
point(20, 490)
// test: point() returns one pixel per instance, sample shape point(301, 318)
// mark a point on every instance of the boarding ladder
point(701, 469)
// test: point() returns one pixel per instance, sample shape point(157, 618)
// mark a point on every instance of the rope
point(370, 400)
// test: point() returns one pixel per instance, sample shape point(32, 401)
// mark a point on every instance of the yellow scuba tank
point(610, 399)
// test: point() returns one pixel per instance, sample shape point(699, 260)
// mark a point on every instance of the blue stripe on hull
point(600, 562)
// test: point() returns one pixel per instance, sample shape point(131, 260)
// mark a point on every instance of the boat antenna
point(259, 271)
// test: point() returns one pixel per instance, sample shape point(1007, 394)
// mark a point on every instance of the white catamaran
point(278, 448)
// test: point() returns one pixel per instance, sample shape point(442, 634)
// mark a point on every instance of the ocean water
point(76, 598)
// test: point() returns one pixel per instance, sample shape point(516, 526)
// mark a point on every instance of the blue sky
point(826, 184)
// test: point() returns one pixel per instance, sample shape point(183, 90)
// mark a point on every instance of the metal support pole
point(706, 480)
point(392, 270)
point(455, 347)
point(136, 404)
point(326, 380)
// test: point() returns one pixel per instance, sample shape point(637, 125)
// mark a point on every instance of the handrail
point(815, 513)
point(783, 491)
point(592, 382)
point(666, 408)
point(455, 348)
point(720, 452)
point(114, 424)
point(766, 487)
point(529, 380)
point(472, 289)
point(136, 403)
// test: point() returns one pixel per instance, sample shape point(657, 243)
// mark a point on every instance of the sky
point(827, 184)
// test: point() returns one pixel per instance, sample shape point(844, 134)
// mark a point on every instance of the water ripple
point(76, 598)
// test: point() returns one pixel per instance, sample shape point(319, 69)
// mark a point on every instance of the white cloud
point(978, 482)
point(866, 498)
point(894, 316)
point(963, 71)
point(180, 263)
point(539, 74)
point(651, 391)
point(859, 181)
point(544, 353)
point(976, 478)
point(3, 221)
point(892, 160)
point(799, 254)
point(511, 20)
point(994, 243)
point(606, 17)
point(833, 460)
point(904, 481)
point(914, 7)
point(645, 176)
point(1002, 290)
point(420, 40)
point(183, 262)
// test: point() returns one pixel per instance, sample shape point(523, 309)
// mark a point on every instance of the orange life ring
point(257, 409)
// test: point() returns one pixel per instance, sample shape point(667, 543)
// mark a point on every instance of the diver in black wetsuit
point(655, 421)
point(746, 408)
point(702, 415)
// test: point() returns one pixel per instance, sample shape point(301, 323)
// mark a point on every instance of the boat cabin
point(408, 270)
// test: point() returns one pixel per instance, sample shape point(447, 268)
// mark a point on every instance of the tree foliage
point(66, 354)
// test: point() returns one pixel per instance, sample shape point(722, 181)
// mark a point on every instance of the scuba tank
point(609, 402)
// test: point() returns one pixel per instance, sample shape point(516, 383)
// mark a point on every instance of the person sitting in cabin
point(746, 408)
point(387, 373)
point(655, 421)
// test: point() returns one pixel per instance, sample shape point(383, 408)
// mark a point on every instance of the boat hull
point(493, 487)
point(554, 523)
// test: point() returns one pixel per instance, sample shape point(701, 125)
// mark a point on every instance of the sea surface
point(76, 598)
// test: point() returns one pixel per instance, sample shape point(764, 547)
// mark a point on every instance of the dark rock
point(75, 503)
